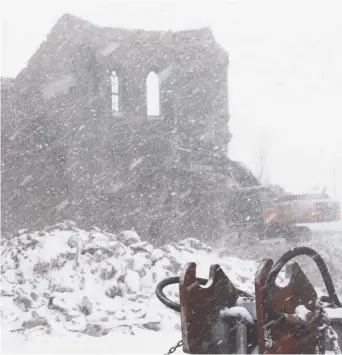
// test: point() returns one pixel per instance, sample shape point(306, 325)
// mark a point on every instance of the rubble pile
point(67, 279)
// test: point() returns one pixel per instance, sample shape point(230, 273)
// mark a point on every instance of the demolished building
point(122, 129)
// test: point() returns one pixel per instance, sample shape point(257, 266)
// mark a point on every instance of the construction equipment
point(264, 212)
point(218, 318)
point(280, 216)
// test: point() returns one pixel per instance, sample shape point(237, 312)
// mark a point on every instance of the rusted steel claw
point(205, 329)
point(279, 330)
point(217, 318)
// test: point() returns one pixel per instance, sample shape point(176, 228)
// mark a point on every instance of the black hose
point(161, 296)
point(270, 282)
point(175, 280)
point(305, 251)
point(171, 281)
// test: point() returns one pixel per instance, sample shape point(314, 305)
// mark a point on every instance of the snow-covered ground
point(102, 287)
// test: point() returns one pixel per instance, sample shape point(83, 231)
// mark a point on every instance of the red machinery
point(218, 318)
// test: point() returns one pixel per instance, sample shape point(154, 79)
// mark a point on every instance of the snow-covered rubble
point(67, 285)
point(64, 279)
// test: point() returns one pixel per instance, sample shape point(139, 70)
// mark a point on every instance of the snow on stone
point(165, 73)
point(62, 205)
point(136, 163)
point(65, 283)
point(59, 86)
point(66, 280)
point(110, 48)
point(115, 187)
point(26, 180)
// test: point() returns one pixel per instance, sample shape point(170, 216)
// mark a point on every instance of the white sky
point(285, 74)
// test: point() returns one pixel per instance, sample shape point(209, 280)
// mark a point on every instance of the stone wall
point(70, 157)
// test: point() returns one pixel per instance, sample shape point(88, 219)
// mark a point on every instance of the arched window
point(153, 94)
point(115, 88)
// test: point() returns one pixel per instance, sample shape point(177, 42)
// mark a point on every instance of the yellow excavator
point(281, 215)
point(304, 208)
point(255, 210)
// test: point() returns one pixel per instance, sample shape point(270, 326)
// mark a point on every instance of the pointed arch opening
point(115, 91)
point(153, 94)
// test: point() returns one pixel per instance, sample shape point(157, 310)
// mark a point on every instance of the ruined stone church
point(121, 129)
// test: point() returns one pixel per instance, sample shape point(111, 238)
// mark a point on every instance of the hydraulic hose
point(167, 282)
point(270, 282)
point(175, 280)
point(300, 251)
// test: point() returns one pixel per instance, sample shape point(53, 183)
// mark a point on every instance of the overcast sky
point(285, 73)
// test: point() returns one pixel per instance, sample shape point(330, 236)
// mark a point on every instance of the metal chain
point(324, 329)
point(174, 348)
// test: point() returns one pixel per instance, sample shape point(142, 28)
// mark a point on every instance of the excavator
point(263, 212)
point(218, 318)
point(281, 216)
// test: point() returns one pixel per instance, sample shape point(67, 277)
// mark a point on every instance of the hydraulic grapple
point(218, 318)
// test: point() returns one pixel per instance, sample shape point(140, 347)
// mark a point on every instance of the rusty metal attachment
point(218, 318)
point(209, 324)
point(280, 328)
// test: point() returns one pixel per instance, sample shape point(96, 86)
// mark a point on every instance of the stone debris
point(111, 285)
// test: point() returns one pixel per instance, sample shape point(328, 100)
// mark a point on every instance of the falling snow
point(115, 174)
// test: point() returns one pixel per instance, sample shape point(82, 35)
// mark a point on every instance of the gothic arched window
point(153, 94)
point(115, 89)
